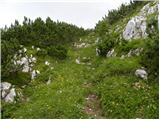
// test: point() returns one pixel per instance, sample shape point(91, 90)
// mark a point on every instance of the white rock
point(78, 61)
point(15, 63)
point(97, 40)
point(33, 74)
point(20, 51)
point(26, 68)
point(38, 49)
point(136, 27)
point(3, 93)
point(97, 51)
point(49, 81)
point(122, 57)
point(37, 71)
point(110, 53)
point(5, 86)
point(32, 47)
point(25, 49)
point(47, 63)
point(33, 59)
point(141, 73)
point(10, 97)
point(21, 46)
point(24, 61)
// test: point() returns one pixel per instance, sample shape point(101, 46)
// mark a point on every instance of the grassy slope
point(121, 94)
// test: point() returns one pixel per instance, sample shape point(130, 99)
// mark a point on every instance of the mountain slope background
point(61, 71)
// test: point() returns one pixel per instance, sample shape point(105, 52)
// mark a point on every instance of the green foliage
point(125, 46)
point(19, 78)
point(40, 33)
point(123, 11)
point(107, 43)
point(59, 52)
point(8, 49)
point(150, 57)
point(122, 98)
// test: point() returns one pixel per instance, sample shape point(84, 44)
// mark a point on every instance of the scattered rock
point(78, 61)
point(122, 57)
point(49, 81)
point(47, 63)
point(97, 52)
point(135, 52)
point(141, 73)
point(21, 46)
point(82, 45)
point(34, 73)
point(32, 47)
point(97, 40)
point(110, 53)
point(25, 49)
point(38, 49)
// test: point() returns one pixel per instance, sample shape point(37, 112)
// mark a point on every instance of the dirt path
point(92, 107)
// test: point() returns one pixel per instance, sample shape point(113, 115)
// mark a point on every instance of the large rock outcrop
point(136, 27)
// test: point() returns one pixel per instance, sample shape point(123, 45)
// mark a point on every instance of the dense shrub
point(126, 46)
point(43, 33)
point(8, 49)
point(40, 34)
point(58, 51)
point(150, 57)
point(107, 43)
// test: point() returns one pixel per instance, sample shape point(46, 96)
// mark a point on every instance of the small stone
point(141, 73)
point(47, 63)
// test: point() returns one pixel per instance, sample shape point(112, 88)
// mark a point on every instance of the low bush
point(150, 56)
point(107, 43)
point(126, 46)
point(58, 51)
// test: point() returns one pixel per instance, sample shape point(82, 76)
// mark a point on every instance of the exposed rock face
point(136, 27)
point(7, 92)
point(141, 73)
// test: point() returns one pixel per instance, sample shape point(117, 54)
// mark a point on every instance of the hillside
point(57, 70)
